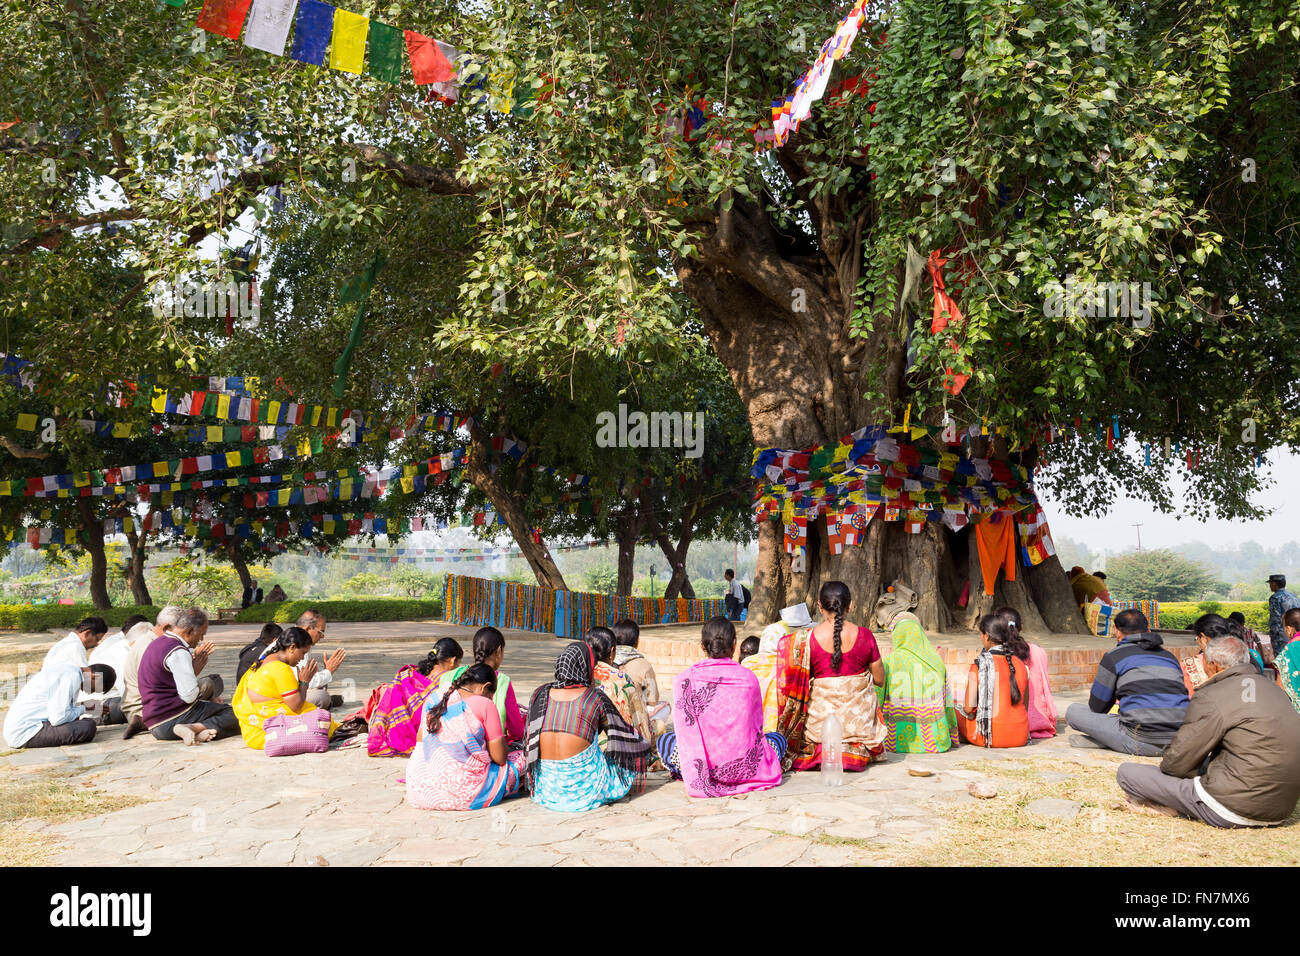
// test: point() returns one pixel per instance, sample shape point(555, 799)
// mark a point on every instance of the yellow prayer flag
point(273, 412)
point(160, 469)
point(27, 421)
point(122, 430)
point(223, 406)
point(408, 484)
point(918, 431)
point(191, 528)
point(348, 48)
point(328, 526)
point(315, 415)
point(6, 487)
point(216, 433)
point(282, 496)
point(159, 403)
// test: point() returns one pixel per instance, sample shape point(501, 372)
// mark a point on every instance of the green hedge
point(360, 609)
point(42, 617)
point(1179, 615)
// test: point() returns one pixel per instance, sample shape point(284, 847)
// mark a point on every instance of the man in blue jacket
point(1148, 684)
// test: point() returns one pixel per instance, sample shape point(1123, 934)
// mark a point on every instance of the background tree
point(1158, 575)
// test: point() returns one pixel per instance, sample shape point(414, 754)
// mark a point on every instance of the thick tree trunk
point(628, 529)
point(478, 471)
point(239, 564)
point(1051, 592)
point(678, 582)
point(135, 572)
point(93, 527)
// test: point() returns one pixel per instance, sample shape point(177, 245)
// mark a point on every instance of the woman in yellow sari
point(270, 687)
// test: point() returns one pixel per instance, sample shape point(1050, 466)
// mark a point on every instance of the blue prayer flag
point(311, 36)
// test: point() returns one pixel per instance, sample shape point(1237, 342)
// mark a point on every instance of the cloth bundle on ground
point(916, 701)
point(719, 748)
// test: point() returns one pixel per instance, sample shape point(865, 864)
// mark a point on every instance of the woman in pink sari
point(718, 747)
point(394, 721)
point(1042, 708)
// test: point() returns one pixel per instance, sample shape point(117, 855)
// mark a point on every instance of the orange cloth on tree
point(997, 548)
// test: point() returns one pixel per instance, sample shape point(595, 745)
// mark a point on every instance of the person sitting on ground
point(210, 687)
point(271, 687)
point(616, 685)
point(627, 635)
point(276, 595)
point(1147, 682)
point(1087, 588)
point(915, 699)
point(1207, 627)
point(719, 748)
point(252, 652)
point(567, 770)
point(1042, 706)
point(106, 705)
point(833, 668)
point(172, 705)
point(748, 647)
point(1288, 662)
point(489, 648)
point(394, 722)
point(1105, 593)
point(46, 713)
point(1235, 761)
point(995, 711)
point(76, 647)
point(766, 662)
point(1280, 600)
point(1259, 647)
point(252, 594)
point(463, 761)
point(318, 690)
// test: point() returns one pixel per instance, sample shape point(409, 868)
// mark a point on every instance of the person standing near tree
point(1279, 602)
point(735, 597)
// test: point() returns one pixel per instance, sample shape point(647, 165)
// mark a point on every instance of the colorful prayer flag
point(311, 37)
point(428, 62)
point(268, 25)
point(385, 52)
point(348, 50)
point(225, 17)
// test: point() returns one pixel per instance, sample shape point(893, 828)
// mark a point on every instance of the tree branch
point(440, 182)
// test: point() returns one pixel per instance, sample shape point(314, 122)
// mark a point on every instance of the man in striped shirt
point(1148, 684)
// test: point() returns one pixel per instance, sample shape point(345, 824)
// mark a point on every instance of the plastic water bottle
point(832, 752)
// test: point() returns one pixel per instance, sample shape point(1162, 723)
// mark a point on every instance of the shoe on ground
point(1084, 742)
point(133, 726)
point(336, 700)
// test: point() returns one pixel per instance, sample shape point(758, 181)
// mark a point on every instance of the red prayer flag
point(225, 17)
point(427, 62)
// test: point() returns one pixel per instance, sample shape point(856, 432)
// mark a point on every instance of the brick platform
point(1070, 669)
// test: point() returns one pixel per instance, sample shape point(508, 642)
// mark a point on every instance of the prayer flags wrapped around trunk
point(268, 25)
point(348, 49)
point(311, 37)
point(225, 17)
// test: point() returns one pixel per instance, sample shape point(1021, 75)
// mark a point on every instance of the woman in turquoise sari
point(1288, 661)
point(915, 700)
point(567, 770)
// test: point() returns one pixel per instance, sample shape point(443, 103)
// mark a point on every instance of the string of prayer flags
point(793, 109)
point(311, 35)
point(357, 289)
point(428, 63)
point(224, 17)
point(268, 25)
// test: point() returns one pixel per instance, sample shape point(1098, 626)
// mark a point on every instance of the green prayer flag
point(174, 3)
point(386, 47)
point(356, 289)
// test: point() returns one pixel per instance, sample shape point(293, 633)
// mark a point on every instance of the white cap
point(796, 615)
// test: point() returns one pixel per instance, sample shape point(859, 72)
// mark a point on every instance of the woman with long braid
point(833, 668)
point(463, 762)
point(490, 648)
point(996, 708)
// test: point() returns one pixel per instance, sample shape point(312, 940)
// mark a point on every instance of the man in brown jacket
point(1235, 762)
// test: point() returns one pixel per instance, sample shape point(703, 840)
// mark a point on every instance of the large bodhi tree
point(1034, 143)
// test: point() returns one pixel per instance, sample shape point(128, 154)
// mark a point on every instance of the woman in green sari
point(915, 701)
point(489, 649)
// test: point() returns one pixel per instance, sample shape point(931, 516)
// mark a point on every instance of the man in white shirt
point(106, 705)
point(46, 712)
point(735, 597)
point(313, 622)
point(75, 648)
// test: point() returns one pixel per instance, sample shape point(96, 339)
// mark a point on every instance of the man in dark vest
point(169, 686)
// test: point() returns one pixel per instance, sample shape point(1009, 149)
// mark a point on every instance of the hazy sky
point(1114, 532)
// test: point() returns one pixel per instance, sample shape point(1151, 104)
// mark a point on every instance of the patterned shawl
point(916, 701)
point(624, 747)
point(395, 719)
point(718, 713)
point(988, 689)
point(1288, 666)
point(794, 688)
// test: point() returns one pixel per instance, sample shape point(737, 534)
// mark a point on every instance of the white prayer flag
point(268, 25)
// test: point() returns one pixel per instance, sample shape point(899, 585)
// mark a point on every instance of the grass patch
point(1002, 832)
point(48, 799)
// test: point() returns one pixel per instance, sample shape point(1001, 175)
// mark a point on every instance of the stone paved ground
point(222, 803)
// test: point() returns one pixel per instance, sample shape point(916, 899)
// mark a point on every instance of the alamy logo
point(74, 908)
point(229, 299)
point(656, 430)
